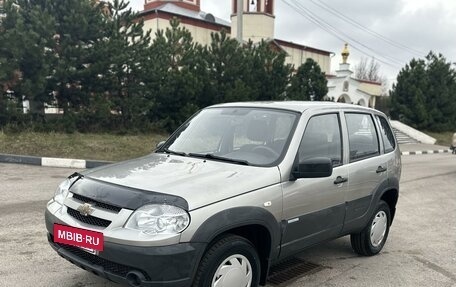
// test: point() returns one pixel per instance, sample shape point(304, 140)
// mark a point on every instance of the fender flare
point(232, 218)
point(358, 224)
point(385, 186)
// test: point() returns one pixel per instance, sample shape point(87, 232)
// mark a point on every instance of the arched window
point(344, 99)
point(346, 86)
point(362, 103)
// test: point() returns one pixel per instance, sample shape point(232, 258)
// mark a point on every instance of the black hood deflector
point(123, 196)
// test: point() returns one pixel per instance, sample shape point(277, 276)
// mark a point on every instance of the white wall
point(199, 34)
point(413, 133)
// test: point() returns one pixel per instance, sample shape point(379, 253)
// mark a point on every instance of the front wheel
point(231, 262)
point(372, 238)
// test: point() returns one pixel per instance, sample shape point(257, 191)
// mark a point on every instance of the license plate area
point(88, 250)
point(87, 240)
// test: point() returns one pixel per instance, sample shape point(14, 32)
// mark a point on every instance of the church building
point(258, 24)
point(344, 88)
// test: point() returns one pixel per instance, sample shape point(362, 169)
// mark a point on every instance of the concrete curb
point(51, 162)
point(426, 152)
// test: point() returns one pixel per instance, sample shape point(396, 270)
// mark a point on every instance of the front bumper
point(173, 265)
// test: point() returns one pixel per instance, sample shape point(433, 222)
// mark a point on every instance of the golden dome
point(345, 53)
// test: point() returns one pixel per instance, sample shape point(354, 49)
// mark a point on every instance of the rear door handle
point(380, 169)
point(340, 180)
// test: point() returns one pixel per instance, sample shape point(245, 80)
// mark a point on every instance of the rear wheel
point(231, 262)
point(372, 238)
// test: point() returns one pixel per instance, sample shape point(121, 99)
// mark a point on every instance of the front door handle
point(340, 180)
point(380, 169)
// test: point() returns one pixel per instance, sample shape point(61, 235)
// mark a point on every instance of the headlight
point(62, 191)
point(159, 219)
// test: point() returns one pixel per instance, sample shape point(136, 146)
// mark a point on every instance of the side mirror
point(313, 168)
point(160, 144)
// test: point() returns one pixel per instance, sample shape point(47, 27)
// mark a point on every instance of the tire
point(372, 238)
point(233, 253)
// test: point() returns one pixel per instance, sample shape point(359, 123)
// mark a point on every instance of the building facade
point(258, 24)
point(343, 87)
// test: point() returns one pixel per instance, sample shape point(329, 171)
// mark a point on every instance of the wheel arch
point(391, 197)
point(388, 190)
point(255, 224)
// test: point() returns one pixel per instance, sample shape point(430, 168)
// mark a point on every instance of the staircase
point(407, 135)
point(403, 138)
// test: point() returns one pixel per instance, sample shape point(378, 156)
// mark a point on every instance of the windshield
point(240, 135)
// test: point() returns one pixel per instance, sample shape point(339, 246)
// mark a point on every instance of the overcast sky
point(411, 27)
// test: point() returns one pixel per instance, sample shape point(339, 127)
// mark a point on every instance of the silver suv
point(235, 189)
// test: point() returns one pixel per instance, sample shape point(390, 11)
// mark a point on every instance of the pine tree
point(269, 73)
point(407, 98)
point(79, 26)
point(229, 70)
point(121, 67)
point(309, 83)
point(26, 51)
point(441, 96)
point(425, 94)
point(175, 81)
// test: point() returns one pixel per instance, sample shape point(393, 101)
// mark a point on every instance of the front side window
point(362, 136)
point(387, 135)
point(253, 135)
point(322, 138)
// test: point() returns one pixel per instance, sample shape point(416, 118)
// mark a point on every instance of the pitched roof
point(180, 11)
point(174, 9)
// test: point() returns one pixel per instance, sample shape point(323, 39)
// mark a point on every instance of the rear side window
point(387, 135)
point(362, 136)
point(322, 138)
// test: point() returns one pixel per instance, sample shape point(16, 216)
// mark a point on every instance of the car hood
point(200, 182)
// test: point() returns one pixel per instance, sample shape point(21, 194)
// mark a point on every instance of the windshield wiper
point(221, 158)
point(175, 152)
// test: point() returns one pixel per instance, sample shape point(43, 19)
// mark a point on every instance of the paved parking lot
point(421, 250)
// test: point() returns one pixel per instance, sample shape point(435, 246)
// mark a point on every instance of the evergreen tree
point(79, 27)
point(26, 51)
point(229, 71)
point(48, 46)
point(425, 94)
point(309, 83)
point(269, 73)
point(175, 80)
point(441, 93)
point(408, 102)
point(120, 65)
point(252, 72)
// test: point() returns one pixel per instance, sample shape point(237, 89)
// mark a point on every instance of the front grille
point(108, 266)
point(97, 203)
point(88, 219)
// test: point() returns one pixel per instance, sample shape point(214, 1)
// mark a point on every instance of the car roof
point(297, 106)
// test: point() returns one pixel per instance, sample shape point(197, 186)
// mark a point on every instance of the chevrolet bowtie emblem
point(85, 209)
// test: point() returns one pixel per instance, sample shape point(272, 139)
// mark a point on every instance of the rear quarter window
point(389, 143)
point(362, 136)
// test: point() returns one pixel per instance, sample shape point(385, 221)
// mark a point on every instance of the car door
point(313, 208)
point(367, 167)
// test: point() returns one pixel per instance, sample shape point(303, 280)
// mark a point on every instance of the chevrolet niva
point(237, 188)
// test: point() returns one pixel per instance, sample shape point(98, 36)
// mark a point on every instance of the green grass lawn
point(80, 146)
point(443, 139)
point(109, 147)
